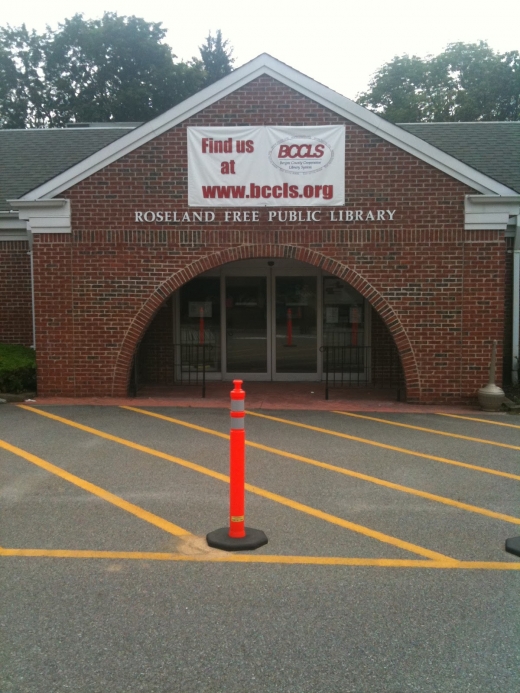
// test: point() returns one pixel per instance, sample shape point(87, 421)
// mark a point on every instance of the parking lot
point(385, 569)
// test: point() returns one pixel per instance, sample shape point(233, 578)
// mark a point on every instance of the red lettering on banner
point(266, 192)
point(301, 151)
point(227, 167)
point(211, 146)
point(245, 146)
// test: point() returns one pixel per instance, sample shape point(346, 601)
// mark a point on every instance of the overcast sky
point(338, 43)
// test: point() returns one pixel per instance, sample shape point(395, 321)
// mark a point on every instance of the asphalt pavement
point(385, 570)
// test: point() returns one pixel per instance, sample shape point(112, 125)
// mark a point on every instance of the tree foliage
point(466, 82)
point(114, 68)
point(216, 57)
point(22, 92)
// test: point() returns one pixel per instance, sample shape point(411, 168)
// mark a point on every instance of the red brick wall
point(438, 288)
point(483, 307)
point(508, 318)
point(57, 345)
point(386, 367)
point(156, 357)
point(15, 293)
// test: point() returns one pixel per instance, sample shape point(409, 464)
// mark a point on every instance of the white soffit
point(44, 216)
point(12, 228)
point(266, 65)
point(491, 212)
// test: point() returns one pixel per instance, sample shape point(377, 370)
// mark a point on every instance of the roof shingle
point(493, 148)
point(29, 158)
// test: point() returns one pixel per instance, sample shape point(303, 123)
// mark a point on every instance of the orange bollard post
point(237, 537)
point(237, 462)
point(354, 335)
point(289, 329)
point(355, 317)
point(201, 325)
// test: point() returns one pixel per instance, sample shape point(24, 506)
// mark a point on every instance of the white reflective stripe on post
point(237, 422)
point(237, 405)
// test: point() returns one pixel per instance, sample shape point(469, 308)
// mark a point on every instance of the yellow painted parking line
point(472, 418)
point(340, 470)
point(384, 446)
point(262, 558)
point(428, 430)
point(97, 491)
point(194, 427)
point(360, 529)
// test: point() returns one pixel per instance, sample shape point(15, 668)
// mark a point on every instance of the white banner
point(266, 166)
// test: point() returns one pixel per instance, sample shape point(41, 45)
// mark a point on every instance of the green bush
point(17, 368)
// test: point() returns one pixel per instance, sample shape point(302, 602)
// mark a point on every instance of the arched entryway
point(270, 318)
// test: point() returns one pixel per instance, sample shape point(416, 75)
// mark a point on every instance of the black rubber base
point(220, 539)
point(513, 546)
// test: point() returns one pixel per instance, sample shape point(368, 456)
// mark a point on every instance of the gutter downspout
point(516, 303)
point(30, 238)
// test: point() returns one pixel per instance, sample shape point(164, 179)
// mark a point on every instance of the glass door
point(295, 319)
point(345, 331)
point(271, 320)
point(197, 342)
point(247, 327)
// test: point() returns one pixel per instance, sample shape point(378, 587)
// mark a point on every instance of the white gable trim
point(491, 212)
point(267, 65)
point(44, 216)
point(12, 228)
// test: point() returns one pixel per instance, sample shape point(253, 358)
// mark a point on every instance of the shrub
point(17, 368)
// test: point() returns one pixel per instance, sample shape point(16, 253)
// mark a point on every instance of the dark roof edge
point(466, 122)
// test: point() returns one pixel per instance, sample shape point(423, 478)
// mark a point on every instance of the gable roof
point(52, 183)
point(30, 158)
point(493, 148)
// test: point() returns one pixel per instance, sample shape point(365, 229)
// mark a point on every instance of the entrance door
point(266, 320)
point(247, 327)
point(295, 329)
point(270, 324)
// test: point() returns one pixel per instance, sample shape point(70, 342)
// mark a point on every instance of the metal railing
point(179, 364)
point(191, 362)
point(355, 366)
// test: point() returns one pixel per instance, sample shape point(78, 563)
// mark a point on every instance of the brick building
point(121, 280)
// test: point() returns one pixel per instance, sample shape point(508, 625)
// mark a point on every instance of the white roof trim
point(29, 204)
point(44, 216)
point(266, 65)
point(485, 212)
point(12, 228)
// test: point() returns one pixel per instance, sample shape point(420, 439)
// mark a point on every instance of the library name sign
point(257, 216)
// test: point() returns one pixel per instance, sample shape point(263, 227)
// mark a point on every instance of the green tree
point(22, 90)
point(216, 57)
point(466, 82)
point(114, 68)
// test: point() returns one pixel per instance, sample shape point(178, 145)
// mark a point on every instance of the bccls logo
point(301, 155)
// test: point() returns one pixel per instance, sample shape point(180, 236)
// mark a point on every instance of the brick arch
point(245, 252)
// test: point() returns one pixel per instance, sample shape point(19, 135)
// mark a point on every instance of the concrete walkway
point(272, 395)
